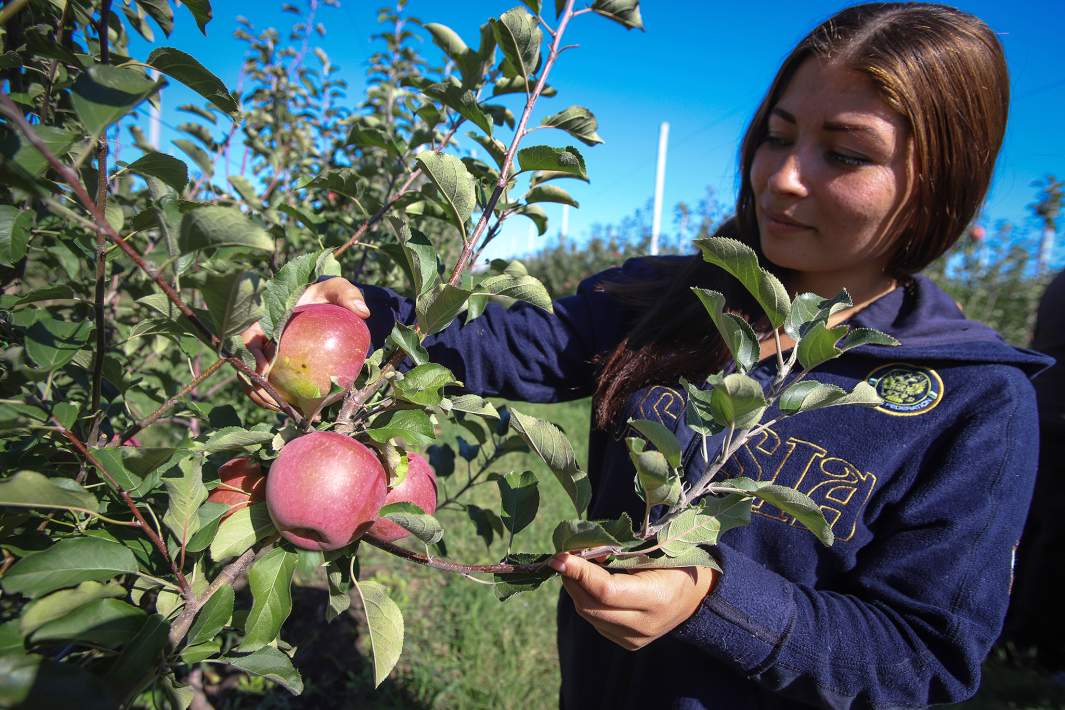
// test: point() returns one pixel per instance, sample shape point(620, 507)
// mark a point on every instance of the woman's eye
point(848, 160)
point(774, 140)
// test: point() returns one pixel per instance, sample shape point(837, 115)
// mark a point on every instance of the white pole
point(660, 183)
point(531, 238)
point(154, 115)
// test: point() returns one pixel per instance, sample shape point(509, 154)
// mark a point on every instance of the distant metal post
point(154, 114)
point(660, 183)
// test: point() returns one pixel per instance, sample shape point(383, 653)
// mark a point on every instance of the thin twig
point(508, 160)
point(150, 533)
point(170, 403)
point(465, 569)
point(8, 12)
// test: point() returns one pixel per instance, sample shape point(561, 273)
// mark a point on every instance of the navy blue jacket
point(926, 496)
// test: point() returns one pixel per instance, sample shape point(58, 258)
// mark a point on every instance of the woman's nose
point(787, 177)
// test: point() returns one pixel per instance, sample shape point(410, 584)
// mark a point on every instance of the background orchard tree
point(127, 282)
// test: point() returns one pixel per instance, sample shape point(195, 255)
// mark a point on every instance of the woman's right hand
point(337, 290)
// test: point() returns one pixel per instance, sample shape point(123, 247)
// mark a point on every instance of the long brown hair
point(944, 71)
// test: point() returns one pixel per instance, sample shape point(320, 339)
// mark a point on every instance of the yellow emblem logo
point(907, 390)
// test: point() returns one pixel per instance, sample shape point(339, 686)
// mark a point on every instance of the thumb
point(596, 581)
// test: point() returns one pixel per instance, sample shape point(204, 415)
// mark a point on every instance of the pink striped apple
point(319, 341)
point(419, 488)
point(324, 490)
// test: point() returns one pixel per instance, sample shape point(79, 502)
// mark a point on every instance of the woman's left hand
point(632, 609)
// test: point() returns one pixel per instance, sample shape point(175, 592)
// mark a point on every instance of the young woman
point(871, 152)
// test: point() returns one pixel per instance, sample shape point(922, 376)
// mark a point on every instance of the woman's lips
point(781, 224)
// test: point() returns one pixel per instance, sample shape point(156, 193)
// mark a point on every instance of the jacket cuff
point(746, 618)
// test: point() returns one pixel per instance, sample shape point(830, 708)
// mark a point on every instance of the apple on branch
point(241, 483)
point(320, 341)
point(324, 490)
point(418, 487)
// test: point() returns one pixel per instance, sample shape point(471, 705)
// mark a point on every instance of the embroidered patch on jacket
point(907, 390)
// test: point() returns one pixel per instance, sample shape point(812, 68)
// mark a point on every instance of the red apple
point(419, 488)
point(320, 341)
point(324, 490)
point(241, 483)
point(977, 233)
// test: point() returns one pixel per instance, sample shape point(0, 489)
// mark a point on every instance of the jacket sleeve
point(523, 353)
point(926, 602)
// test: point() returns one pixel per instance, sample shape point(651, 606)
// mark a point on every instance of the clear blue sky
point(702, 66)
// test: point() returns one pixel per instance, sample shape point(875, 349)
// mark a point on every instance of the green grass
point(465, 649)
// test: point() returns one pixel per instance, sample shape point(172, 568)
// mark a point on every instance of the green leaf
point(104, 93)
point(818, 345)
point(462, 101)
point(858, 337)
point(15, 226)
point(52, 343)
point(186, 69)
point(789, 500)
point(215, 226)
point(414, 520)
point(486, 522)
point(185, 493)
point(419, 254)
point(284, 290)
point(199, 156)
point(807, 395)
point(536, 215)
point(515, 284)
point(245, 189)
point(740, 260)
point(235, 438)
point(270, 579)
point(165, 167)
point(507, 585)
point(30, 681)
point(411, 425)
point(59, 292)
point(66, 563)
point(241, 530)
point(691, 527)
point(519, 37)
point(568, 160)
point(624, 12)
point(732, 510)
point(424, 384)
point(272, 664)
point(135, 667)
point(436, 310)
point(691, 556)
point(551, 445)
point(339, 588)
point(159, 10)
point(454, 182)
point(102, 622)
point(735, 331)
point(658, 483)
point(385, 622)
point(201, 12)
point(737, 400)
point(208, 518)
point(578, 121)
point(230, 299)
point(809, 309)
point(23, 154)
point(493, 147)
point(519, 494)
point(58, 604)
point(660, 437)
point(404, 338)
point(572, 535)
point(29, 489)
point(550, 193)
point(473, 404)
point(469, 63)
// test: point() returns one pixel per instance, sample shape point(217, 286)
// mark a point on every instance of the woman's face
point(829, 180)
